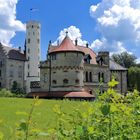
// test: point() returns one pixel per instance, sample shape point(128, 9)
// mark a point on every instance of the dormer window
point(87, 58)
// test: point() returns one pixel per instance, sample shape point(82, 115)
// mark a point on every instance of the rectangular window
point(38, 41)
point(0, 73)
point(28, 40)
point(11, 74)
point(45, 78)
point(0, 63)
point(53, 56)
point(20, 74)
point(28, 50)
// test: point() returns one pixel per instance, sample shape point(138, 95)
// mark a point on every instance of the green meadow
point(13, 111)
point(111, 116)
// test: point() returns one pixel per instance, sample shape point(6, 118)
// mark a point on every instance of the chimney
point(19, 49)
point(76, 42)
point(58, 42)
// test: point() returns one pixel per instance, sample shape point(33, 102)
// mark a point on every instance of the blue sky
point(111, 25)
point(54, 16)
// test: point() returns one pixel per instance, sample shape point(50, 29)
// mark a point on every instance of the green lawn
point(43, 115)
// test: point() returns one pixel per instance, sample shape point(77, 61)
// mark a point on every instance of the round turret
point(66, 62)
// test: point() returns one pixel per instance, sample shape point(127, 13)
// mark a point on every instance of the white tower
point(32, 50)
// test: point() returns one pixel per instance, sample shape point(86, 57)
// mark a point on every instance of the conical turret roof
point(66, 46)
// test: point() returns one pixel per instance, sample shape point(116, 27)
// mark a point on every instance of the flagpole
point(32, 10)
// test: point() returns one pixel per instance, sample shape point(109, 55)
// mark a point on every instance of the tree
point(16, 89)
point(134, 78)
point(125, 59)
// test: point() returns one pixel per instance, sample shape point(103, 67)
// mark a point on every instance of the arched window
point(99, 77)
point(54, 82)
point(45, 78)
point(90, 76)
point(102, 77)
point(65, 81)
point(77, 81)
point(86, 76)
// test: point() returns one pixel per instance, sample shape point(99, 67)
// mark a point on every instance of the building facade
point(69, 68)
point(73, 68)
point(32, 53)
point(12, 65)
point(22, 67)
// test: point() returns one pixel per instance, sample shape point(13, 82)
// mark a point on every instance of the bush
point(111, 117)
point(5, 93)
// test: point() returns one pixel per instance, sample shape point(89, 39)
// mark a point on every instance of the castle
point(69, 71)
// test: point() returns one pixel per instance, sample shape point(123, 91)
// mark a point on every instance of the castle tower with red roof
point(67, 68)
point(75, 71)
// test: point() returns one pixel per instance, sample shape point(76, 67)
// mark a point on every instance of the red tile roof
point(90, 52)
point(65, 46)
point(59, 94)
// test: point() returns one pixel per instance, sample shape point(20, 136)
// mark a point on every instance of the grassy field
point(11, 113)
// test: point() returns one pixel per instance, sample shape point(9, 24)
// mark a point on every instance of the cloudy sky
point(111, 25)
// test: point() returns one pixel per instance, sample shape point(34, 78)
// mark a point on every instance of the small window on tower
point(28, 50)
point(32, 26)
point(38, 41)
point(0, 63)
point(53, 56)
point(0, 73)
point(28, 40)
point(77, 81)
point(33, 33)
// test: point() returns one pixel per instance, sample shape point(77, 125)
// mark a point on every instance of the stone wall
point(2, 69)
point(121, 77)
point(14, 72)
point(94, 85)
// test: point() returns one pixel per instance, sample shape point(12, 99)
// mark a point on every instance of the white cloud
point(138, 61)
point(104, 45)
point(118, 22)
point(74, 33)
point(8, 22)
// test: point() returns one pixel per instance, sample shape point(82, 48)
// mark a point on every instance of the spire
point(67, 33)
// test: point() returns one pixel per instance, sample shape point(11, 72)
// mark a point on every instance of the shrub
point(5, 93)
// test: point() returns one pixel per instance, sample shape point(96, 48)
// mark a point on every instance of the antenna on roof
point(58, 42)
point(50, 42)
point(76, 42)
point(66, 33)
point(87, 44)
